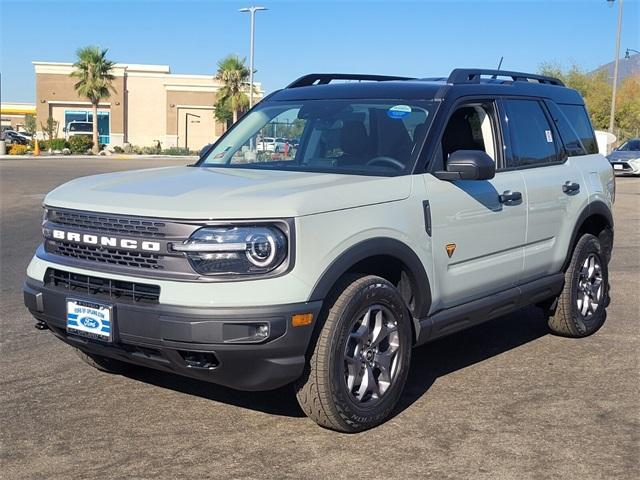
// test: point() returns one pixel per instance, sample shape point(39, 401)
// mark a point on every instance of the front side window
point(532, 137)
point(370, 137)
point(469, 128)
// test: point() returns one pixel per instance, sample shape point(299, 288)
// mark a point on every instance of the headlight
point(235, 249)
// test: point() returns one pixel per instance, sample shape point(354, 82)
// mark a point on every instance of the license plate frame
point(618, 166)
point(88, 319)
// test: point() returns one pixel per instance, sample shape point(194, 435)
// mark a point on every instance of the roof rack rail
point(472, 75)
point(325, 78)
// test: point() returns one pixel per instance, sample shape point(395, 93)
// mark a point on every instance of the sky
point(413, 38)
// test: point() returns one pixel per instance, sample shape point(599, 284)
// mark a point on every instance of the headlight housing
point(235, 249)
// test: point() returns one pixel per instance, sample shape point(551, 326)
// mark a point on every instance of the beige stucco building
point(150, 104)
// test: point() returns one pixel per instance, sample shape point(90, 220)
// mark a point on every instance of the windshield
point(370, 137)
point(80, 127)
point(630, 146)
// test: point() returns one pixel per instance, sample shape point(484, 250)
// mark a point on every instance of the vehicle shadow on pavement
point(468, 347)
point(274, 402)
point(429, 362)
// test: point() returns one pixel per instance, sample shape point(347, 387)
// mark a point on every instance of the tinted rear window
point(577, 116)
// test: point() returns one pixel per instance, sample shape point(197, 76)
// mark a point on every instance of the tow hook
point(40, 325)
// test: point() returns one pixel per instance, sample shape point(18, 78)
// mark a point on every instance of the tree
point(30, 124)
point(596, 91)
point(234, 75)
point(222, 113)
point(50, 128)
point(94, 72)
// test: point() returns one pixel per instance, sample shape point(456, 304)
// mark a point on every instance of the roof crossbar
point(325, 78)
point(472, 75)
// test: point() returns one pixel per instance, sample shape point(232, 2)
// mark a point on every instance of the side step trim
point(472, 313)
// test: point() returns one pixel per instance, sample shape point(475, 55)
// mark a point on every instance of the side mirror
point(468, 165)
point(64, 129)
point(204, 150)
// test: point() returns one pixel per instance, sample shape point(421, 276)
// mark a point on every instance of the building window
point(87, 116)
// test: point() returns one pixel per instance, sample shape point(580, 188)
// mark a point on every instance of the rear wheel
point(580, 309)
point(104, 364)
point(360, 361)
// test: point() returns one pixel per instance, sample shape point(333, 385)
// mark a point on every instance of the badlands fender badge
point(450, 247)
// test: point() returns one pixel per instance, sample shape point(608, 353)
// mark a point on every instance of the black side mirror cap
point(204, 150)
point(468, 165)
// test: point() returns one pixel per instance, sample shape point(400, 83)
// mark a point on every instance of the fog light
point(301, 319)
point(262, 331)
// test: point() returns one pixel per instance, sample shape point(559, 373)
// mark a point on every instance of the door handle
point(510, 197)
point(570, 187)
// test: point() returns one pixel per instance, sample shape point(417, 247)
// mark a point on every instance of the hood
point(623, 155)
point(224, 193)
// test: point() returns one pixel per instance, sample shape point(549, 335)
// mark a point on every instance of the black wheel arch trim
point(597, 207)
point(373, 247)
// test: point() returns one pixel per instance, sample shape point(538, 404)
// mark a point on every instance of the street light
point(626, 54)
point(615, 66)
point(186, 128)
point(252, 11)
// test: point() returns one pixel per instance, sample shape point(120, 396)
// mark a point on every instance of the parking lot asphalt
point(505, 400)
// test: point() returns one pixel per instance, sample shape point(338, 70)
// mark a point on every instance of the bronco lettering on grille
point(105, 241)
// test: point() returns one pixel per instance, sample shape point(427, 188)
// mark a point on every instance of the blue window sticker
point(399, 111)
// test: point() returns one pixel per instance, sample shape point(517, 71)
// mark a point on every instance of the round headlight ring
point(254, 255)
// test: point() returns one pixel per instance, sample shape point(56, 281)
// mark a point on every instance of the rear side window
point(577, 116)
point(533, 138)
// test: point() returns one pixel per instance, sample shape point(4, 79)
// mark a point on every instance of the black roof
point(460, 82)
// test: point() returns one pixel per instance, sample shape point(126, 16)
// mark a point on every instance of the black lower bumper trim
point(191, 341)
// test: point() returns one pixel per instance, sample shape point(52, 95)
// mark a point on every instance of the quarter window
point(577, 116)
point(532, 136)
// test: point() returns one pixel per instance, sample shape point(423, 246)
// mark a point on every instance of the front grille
point(109, 223)
point(102, 287)
point(125, 258)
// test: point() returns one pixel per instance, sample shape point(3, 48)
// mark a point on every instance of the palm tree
point(234, 75)
point(94, 73)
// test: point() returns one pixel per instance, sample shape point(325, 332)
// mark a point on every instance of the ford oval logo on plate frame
point(90, 320)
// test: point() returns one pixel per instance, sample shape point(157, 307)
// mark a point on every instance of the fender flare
point(595, 208)
point(371, 248)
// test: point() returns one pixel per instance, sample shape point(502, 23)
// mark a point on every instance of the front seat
point(354, 143)
point(458, 135)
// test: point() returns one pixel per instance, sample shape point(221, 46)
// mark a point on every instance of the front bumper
point(624, 167)
point(169, 337)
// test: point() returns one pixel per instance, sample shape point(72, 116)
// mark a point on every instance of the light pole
point(186, 129)
point(626, 54)
point(252, 11)
point(615, 67)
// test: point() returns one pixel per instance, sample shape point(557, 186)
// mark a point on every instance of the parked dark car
point(14, 138)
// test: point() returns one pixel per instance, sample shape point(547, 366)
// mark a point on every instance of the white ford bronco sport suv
point(411, 209)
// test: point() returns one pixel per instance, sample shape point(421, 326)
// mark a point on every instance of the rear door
point(554, 185)
point(477, 238)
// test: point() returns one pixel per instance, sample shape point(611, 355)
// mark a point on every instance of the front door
point(477, 238)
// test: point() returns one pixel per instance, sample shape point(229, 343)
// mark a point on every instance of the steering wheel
point(386, 160)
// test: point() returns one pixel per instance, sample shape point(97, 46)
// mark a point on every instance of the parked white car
point(270, 144)
point(78, 128)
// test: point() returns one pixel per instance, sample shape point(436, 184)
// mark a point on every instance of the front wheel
point(580, 309)
point(360, 361)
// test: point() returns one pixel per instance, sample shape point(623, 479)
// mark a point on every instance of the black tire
point(104, 364)
point(322, 390)
point(568, 320)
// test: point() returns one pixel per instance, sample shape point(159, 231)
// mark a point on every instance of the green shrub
point(176, 151)
point(58, 144)
point(80, 144)
point(118, 149)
